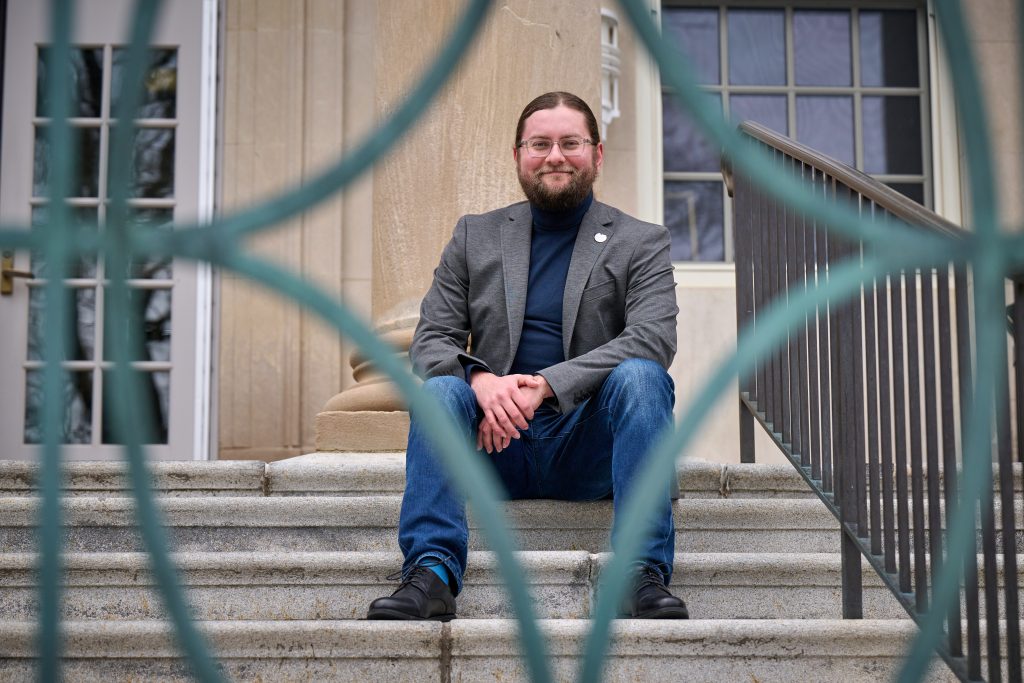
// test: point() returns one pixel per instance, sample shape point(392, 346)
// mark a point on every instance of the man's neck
point(561, 220)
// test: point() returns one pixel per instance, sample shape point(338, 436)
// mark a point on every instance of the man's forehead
point(556, 122)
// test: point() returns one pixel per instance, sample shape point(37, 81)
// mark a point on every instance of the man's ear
point(515, 154)
point(599, 155)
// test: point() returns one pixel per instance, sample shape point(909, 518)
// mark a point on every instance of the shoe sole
point(663, 613)
point(395, 615)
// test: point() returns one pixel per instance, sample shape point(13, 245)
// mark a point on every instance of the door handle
point(8, 273)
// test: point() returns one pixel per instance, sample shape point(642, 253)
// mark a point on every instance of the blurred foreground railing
point(866, 399)
point(992, 251)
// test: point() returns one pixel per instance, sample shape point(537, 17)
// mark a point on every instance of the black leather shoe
point(421, 596)
point(650, 598)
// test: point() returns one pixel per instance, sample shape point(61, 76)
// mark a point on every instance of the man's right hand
point(506, 409)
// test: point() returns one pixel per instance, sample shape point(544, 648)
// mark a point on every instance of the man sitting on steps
point(569, 306)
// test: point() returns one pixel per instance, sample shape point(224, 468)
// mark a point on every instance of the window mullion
point(858, 121)
point(790, 75)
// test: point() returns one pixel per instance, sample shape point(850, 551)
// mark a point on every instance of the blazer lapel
point(594, 233)
point(515, 259)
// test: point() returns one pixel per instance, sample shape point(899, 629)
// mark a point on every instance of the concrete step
point(474, 650)
point(358, 474)
point(361, 474)
point(254, 586)
point(328, 523)
point(175, 477)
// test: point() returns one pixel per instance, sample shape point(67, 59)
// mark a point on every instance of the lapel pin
point(600, 237)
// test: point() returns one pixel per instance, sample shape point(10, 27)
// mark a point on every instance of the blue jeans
point(565, 457)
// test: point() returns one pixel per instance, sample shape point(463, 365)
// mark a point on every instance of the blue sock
point(442, 572)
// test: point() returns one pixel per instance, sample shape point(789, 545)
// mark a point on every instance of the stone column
point(458, 160)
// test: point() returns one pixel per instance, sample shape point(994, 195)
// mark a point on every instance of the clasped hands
point(508, 404)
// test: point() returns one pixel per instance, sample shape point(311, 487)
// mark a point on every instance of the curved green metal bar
point(132, 421)
point(756, 165)
point(12, 238)
point(989, 272)
point(215, 243)
point(57, 330)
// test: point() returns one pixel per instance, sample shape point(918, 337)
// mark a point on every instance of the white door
point(166, 188)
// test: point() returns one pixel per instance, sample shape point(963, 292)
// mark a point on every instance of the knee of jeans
point(639, 376)
point(449, 390)
point(446, 388)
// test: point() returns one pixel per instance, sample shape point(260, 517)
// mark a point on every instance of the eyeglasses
point(541, 147)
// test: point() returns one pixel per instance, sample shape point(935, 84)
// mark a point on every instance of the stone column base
point(363, 430)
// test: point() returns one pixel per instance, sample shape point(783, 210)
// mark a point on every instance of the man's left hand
point(537, 394)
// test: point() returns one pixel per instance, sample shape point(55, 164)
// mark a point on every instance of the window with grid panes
point(850, 81)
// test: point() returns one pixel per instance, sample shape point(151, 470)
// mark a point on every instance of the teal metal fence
point(991, 252)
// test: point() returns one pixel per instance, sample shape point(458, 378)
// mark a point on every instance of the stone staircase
point(281, 561)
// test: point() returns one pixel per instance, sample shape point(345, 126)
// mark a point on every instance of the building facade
point(248, 98)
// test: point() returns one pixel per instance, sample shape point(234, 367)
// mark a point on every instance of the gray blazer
point(619, 299)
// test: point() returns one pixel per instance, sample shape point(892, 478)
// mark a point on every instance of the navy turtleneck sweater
point(551, 242)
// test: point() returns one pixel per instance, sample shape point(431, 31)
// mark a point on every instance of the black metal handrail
point(867, 399)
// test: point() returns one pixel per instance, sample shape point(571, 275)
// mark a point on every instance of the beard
point(581, 182)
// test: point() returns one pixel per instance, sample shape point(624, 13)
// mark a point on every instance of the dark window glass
point(685, 146)
point(892, 134)
point(914, 191)
point(825, 123)
point(757, 47)
point(160, 85)
point(86, 180)
point(695, 218)
point(695, 33)
point(768, 110)
point(86, 82)
point(888, 48)
point(77, 425)
point(821, 47)
point(156, 395)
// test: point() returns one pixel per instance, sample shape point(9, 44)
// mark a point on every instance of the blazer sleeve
point(442, 333)
point(649, 331)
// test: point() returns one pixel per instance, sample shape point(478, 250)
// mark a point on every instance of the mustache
point(556, 169)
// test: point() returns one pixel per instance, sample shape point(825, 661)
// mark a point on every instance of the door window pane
point(892, 134)
point(156, 267)
point(888, 48)
point(695, 33)
point(82, 321)
point(757, 47)
point(77, 424)
point(159, 94)
point(685, 146)
point(826, 124)
point(86, 83)
point(153, 165)
point(694, 216)
point(156, 395)
point(84, 218)
point(85, 182)
point(768, 110)
point(153, 307)
point(821, 47)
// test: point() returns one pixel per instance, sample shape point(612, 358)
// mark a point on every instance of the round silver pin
point(600, 237)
